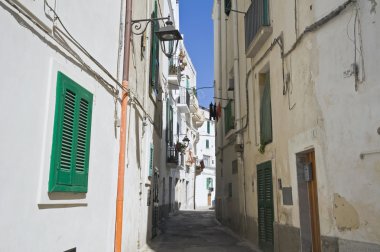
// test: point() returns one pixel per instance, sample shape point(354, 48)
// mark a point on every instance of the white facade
point(31, 218)
point(36, 48)
point(205, 181)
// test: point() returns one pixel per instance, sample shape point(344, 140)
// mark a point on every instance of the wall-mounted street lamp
point(168, 35)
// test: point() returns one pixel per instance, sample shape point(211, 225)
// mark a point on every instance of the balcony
point(171, 154)
point(183, 101)
point(194, 106)
point(174, 76)
point(257, 26)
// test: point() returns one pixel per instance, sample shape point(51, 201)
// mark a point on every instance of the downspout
point(123, 130)
point(237, 96)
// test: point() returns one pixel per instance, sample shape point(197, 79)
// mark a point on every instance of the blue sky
point(197, 26)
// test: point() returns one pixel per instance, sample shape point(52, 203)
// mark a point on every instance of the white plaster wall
point(27, 99)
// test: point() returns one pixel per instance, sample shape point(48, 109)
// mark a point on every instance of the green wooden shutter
point(71, 137)
point(265, 204)
point(227, 7)
point(266, 114)
point(207, 144)
point(171, 125)
point(154, 59)
point(151, 160)
point(229, 120)
point(208, 127)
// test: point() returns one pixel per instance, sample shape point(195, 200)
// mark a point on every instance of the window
point(208, 127)
point(206, 160)
point(265, 111)
point(71, 137)
point(209, 183)
point(151, 160)
point(234, 167)
point(169, 127)
point(207, 144)
point(227, 7)
point(229, 120)
point(230, 190)
point(154, 55)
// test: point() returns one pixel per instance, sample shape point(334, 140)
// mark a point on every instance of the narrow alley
point(197, 231)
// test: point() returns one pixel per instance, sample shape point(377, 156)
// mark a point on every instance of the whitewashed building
point(297, 148)
point(60, 107)
point(205, 180)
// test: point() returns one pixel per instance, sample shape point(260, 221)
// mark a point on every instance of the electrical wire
point(29, 16)
point(79, 46)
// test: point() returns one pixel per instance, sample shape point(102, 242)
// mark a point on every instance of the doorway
point(170, 194)
point(155, 213)
point(308, 198)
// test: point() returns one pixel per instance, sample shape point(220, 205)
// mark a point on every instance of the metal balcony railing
point(256, 17)
point(171, 154)
point(175, 68)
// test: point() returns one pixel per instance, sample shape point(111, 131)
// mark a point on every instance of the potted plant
point(180, 147)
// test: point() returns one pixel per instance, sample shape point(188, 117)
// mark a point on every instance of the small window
point(209, 183)
point(71, 137)
point(207, 144)
point(230, 190)
point(208, 127)
point(151, 160)
point(234, 167)
point(227, 7)
point(229, 120)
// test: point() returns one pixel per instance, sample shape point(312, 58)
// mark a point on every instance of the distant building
point(205, 180)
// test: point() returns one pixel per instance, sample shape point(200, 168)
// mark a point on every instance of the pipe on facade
point(123, 128)
point(237, 95)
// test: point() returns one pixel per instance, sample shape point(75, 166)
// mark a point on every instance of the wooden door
point(308, 202)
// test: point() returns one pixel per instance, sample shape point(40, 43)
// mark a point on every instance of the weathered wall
point(320, 111)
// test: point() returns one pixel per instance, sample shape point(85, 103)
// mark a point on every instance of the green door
point(265, 205)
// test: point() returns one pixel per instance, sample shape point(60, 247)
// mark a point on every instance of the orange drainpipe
point(123, 131)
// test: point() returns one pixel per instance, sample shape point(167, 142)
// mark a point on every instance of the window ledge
point(62, 199)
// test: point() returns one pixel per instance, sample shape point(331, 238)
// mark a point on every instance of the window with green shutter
point(265, 204)
point(227, 7)
point(71, 137)
point(208, 127)
point(229, 120)
point(154, 55)
point(266, 114)
point(169, 126)
point(209, 183)
point(207, 144)
point(151, 160)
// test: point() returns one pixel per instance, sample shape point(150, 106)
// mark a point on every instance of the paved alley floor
point(197, 231)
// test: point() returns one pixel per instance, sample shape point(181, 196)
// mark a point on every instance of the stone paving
point(197, 231)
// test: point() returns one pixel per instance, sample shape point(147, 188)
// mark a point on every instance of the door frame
point(304, 158)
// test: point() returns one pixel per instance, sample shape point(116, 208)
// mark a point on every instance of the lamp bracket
point(137, 24)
